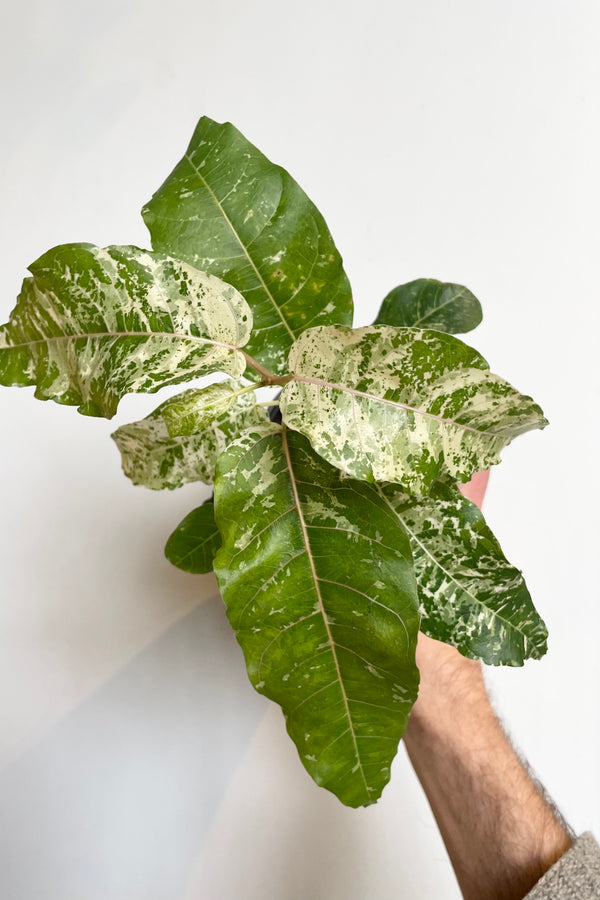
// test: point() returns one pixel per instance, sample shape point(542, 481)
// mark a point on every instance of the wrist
point(500, 832)
point(452, 694)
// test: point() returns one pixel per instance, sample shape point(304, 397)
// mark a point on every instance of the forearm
point(500, 832)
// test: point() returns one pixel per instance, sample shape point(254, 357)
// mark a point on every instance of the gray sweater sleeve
point(575, 876)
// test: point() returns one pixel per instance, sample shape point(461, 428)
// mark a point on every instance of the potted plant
point(338, 530)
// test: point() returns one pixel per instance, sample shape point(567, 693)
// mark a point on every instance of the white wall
point(453, 140)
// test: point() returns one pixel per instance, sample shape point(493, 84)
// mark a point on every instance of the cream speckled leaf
point(316, 573)
point(431, 304)
point(471, 596)
point(228, 210)
point(181, 440)
point(401, 404)
point(93, 324)
point(195, 541)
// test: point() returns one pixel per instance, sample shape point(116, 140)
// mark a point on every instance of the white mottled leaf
point(229, 210)
point(401, 404)
point(316, 574)
point(470, 595)
point(181, 440)
point(93, 324)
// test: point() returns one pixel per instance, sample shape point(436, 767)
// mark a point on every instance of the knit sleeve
point(575, 876)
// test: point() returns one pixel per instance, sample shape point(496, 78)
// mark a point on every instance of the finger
point(475, 488)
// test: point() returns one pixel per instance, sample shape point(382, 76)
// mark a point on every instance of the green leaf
point(194, 410)
point(195, 541)
point(181, 440)
point(401, 405)
point(316, 573)
point(94, 324)
point(427, 303)
point(471, 596)
point(228, 210)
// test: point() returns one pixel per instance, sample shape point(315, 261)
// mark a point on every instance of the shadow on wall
point(118, 798)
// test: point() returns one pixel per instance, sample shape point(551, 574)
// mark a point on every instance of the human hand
point(475, 489)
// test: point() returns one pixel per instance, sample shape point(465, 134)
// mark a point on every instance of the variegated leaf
point(427, 303)
point(401, 405)
point(471, 596)
point(94, 324)
point(228, 210)
point(316, 573)
point(195, 541)
point(181, 440)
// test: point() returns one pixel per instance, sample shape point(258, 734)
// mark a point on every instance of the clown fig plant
point(339, 531)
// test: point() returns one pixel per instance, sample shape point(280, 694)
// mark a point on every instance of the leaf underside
point(93, 324)
point(195, 541)
point(228, 210)
point(431, 304)
point(316, 574)
point(401, 405)
point(182, 439)
point(470, 595)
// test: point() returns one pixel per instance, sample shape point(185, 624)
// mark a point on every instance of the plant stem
point(254, 364)
point(247, 389)
point(268, 376)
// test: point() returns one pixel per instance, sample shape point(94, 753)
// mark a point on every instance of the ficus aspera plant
point(337, 532)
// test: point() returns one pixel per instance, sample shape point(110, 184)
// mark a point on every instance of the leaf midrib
point(316, 582)
point(104, 334)
point(319, 382)
point(244, 249)
point(436, 309)
point(199, 544)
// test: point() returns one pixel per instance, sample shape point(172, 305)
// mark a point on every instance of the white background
point(457, 140)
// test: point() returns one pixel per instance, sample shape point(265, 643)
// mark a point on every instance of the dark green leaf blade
point(401, 404)
point(318, 582)
point(195, 541)
point(471, 596)
point(93, 324)
point(427, 303)
point(228, 210)
point(182, 439)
